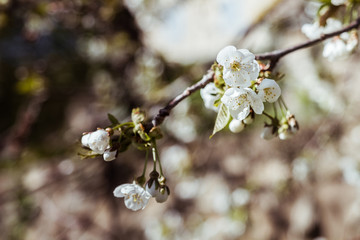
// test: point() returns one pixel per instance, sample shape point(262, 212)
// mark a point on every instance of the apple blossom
point(135, 197)
point(240, 100)
point(239, 66)
point(269, 90)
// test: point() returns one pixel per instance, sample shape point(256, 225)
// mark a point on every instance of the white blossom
point(334, 49)
point(338, 2)
point(332, 25)
point(97, 141)
point(236, 126)
point(337, 47)
point(313, 30)
point(239, 66)
point(135, 197)
point(210, 94)
point(109, 155)
point(239, 101)
point(269, 90)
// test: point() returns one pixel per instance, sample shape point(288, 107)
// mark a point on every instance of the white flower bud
point(152, 187)
point(236, 126)
point(163, 194)
point(85, 139)
point(109, 156)
point(99, 141)
point(268, 132)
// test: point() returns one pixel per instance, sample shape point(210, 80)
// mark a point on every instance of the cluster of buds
point(284, 128)
point(157, 188)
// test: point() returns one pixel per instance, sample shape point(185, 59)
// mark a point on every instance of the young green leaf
point(222, 119)
point(113, 119)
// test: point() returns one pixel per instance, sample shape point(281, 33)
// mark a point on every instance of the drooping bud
point(269, 132)
point(163, 194)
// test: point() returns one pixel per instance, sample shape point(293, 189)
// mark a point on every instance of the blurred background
point(65, 64)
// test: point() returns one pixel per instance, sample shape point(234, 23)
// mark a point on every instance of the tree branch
point(273, 58)
point(164, 112)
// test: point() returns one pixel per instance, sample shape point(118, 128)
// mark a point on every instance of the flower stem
point(268, 115)
point(146, 161)
point(156, 157)
point(131, 124)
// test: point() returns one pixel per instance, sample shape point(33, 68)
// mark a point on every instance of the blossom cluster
point(243, 92)
point(99, 142)
point(338, 47)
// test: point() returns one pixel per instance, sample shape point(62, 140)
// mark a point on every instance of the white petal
point(335, 49)
point(269, 90)
point(247, 55)
point(236, 126)
point(210, 94)
point(123, 189)
point(225, 54)
point(332, 25)
point(255, 101)
point(99, 141)
point(85, 140)
point(109, 156)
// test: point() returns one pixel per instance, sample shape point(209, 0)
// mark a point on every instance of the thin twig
point(273, 58)
point(164, 112)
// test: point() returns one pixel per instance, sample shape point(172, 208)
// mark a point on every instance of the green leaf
point(113, 119)
point(222, 119)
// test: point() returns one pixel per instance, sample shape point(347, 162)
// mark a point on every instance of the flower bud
point(152, 187)
point(85, 139)
point(236, 126)
point(98, 141)
point(163, 194)
point(269, 132)
point(109, 156)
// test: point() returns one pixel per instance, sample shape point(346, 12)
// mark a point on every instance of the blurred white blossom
point(210, 94)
